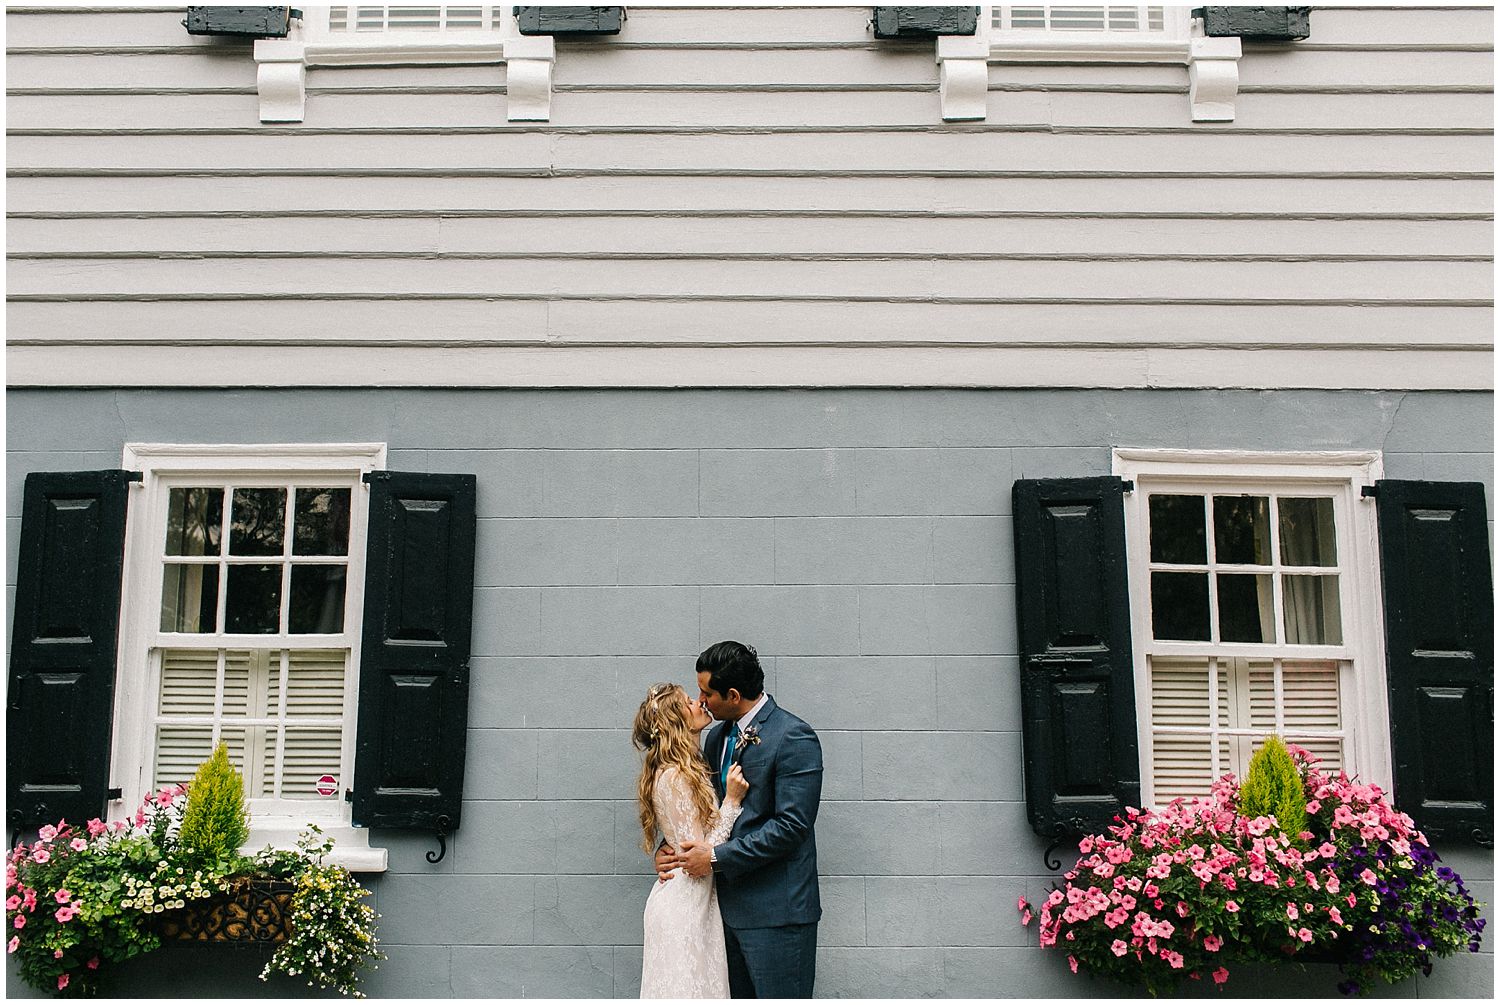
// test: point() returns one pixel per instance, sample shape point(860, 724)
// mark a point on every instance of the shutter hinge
point(1127, 485)
point(348, 795)
point(1369, 491)
point(115, 793)
point(135, 476)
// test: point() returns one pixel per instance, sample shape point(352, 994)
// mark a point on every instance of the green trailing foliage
point(1273, 787)
point(214, 824)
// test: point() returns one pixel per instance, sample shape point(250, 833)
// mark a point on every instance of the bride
point(684, 938)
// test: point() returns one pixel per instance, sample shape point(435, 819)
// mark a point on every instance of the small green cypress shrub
point(1273, 787)
point(214, 822)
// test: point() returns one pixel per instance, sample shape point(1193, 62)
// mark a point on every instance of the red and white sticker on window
point(327, 785)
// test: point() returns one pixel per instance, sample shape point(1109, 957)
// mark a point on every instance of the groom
point(767, 872)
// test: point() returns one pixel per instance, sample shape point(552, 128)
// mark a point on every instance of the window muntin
point(1250, 575)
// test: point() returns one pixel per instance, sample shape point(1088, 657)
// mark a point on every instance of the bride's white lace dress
point(684, 944)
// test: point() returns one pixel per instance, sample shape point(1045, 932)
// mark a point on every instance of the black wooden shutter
point(414, 663)
point(1440, 653)
point(60, 709)
point(1077, 682)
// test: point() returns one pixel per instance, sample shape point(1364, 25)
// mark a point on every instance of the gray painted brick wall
point(860, 539)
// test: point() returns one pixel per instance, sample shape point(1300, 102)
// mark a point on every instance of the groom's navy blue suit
point(767, 872)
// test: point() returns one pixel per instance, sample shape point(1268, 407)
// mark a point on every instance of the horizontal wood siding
point(752, 196)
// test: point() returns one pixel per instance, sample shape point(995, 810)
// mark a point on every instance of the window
point(1104, 20)
point(241, 624)
point(1253, 600)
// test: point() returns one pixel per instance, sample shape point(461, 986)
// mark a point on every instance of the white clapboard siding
point(860, 153)
point(483, 104)
point(1380, 281)
point(1330, 236)
point(896, 199)
point(868, 235)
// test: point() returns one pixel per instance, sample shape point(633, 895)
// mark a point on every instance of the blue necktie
point(734, 734)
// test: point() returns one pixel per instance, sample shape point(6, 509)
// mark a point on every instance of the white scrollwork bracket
point(963, 77)
point(1214, 78)
point(281, 80)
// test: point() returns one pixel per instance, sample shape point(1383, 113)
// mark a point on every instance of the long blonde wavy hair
point(662, 730)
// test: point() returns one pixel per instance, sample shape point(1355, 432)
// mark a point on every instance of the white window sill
point(351, 845)
point(281, 65)
point(963, 61)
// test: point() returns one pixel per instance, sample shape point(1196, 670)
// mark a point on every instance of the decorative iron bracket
point(442, 838)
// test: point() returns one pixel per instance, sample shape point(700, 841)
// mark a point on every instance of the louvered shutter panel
point(1077, 684)
point(62, 664)
point(315, 689)
point(1440, 653)
point(1182, 755)
point(414, 672)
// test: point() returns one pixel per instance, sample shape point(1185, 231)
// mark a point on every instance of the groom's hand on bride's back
point(667, 860)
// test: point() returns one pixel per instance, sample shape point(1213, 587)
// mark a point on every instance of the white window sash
point(163, 467)
point(1361, 656)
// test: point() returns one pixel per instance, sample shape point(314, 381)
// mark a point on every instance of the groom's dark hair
point(732, 665)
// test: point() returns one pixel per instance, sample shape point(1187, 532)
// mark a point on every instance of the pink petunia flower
point(1304, 934)
point(20, 921)
point(1221, 975)
point(13, 944)
point(1118, 947)
point(93, 964)
point(63, 896)
point(78, 844)
point(62, 981)
point(13, 903)
point(97, 827)
point(1073, 964)
point(1213, 943)
point(1173, 958)
point(47, 833)
point(1333, 913)
point(65, 913)
point(41, 855)
point(1367, 877)
point(28, 900)
point(57, 954)
point(1231, 906)
point(1291, 912)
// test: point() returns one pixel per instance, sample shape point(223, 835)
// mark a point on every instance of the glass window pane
point(194, 517)
point(1177, 534)
point(189, 598)
point(1179, 605)
point(258, 522)
point(252, 603)
point(1245, 608)
point(1242, 530)
point(1307, 535)
point(1312, 610)
point(317, 598)
point(321, 523)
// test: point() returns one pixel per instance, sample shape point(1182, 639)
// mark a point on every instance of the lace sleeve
point(675, 812)
point(728, 813)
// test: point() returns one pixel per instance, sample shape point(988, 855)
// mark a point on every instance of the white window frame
point(1212, 63)
point(281, 63)
point(1367, 750)
point(164, 466)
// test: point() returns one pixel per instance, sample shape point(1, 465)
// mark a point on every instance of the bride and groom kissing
point(735, 912)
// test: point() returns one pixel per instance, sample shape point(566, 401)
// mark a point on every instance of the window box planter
point(255, 911)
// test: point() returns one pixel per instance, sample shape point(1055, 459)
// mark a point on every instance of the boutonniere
point(749, 738)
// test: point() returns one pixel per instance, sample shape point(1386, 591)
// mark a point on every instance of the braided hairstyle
point(663, 731)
